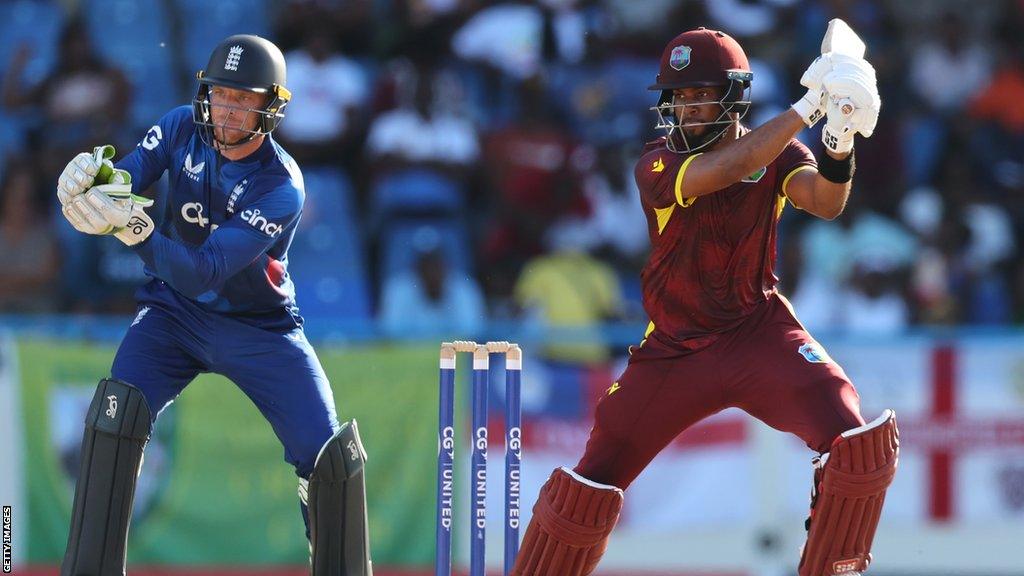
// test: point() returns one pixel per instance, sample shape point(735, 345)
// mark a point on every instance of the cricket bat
point(841, 39)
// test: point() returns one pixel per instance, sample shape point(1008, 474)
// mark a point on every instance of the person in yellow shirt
point(570, 290)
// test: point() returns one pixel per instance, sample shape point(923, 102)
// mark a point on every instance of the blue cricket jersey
point(223, 241)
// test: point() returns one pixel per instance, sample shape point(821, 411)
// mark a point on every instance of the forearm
point(737, 159)
point(191, 271)
point(829, 198)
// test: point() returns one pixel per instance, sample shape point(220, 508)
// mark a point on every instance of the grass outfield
point(227, 496)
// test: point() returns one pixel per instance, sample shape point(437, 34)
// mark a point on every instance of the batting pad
point(571, 523)
point(338, 524)
point(848, 500)
point(117, 428)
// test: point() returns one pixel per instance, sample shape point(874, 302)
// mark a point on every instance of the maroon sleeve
point(656, 175)
point(793, 156)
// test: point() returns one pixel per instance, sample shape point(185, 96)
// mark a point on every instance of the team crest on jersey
point(236, 193)
point(679, 58)
point(814, 353)
point(192, 171)
point(756, 176)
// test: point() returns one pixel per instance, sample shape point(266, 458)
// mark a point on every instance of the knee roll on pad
point(339, 534)
point(117, 428)
point(571, 523)
point(847, 500)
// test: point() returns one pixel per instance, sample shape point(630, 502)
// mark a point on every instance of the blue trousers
point(172, 340)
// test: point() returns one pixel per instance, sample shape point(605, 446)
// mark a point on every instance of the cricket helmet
point(697, 58)
point(243, 62)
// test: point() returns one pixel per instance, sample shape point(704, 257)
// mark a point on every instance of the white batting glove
point(811, 107)
point(853, 106)
point(81, 173)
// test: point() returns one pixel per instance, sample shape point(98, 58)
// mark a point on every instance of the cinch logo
point(252, 216)
point(190, 170)
point(112, 406)
point(192, 212)
point(234, 55)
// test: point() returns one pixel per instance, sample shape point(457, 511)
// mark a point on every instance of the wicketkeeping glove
point(84, 171)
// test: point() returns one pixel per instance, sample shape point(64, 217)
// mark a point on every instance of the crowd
point(469, 159)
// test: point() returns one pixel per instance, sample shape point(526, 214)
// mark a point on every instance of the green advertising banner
point(214, 487)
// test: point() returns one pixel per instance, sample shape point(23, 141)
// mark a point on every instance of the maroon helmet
point(697, 58)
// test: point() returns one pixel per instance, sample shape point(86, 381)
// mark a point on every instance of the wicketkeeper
point(220, 300)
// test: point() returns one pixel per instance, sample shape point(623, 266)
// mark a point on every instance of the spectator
point(83, 100)
point(616, 227)
point(517, 36)
point(571, 290)
point(328, 92)
point(535, 174)
point(422, 134)
point(29, 249)
point(431, 298)
point(999, 142)
point(944, 74)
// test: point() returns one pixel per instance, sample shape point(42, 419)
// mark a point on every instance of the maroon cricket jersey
point(712, 257)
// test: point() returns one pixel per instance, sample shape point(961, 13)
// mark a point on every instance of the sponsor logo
point(814, 353)
point(234, 56)
point(142, 314)
point(658, 166)
point(192, 212)
point(353, 450)
point(679, 58)
point(112, 406)
point(843, 566)
point(192, 171)
point(137, 225)
point(613, 388)
point(252, 216)
point(153, 137)
point(446, 444)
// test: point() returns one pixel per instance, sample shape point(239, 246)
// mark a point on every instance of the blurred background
point(468, 169)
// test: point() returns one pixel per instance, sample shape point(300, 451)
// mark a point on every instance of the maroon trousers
point(769, 366)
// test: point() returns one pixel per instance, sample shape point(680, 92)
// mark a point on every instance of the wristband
point(837, 171)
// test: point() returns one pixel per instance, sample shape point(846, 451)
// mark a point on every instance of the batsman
point(219, 300)
point(720, 334)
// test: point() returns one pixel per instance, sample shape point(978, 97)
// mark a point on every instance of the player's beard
point(228, 136)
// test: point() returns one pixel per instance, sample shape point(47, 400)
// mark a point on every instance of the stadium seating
point(37, 23)
point(403, 237)
point(135, 36)
point(206, 23)
point(326, 258)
